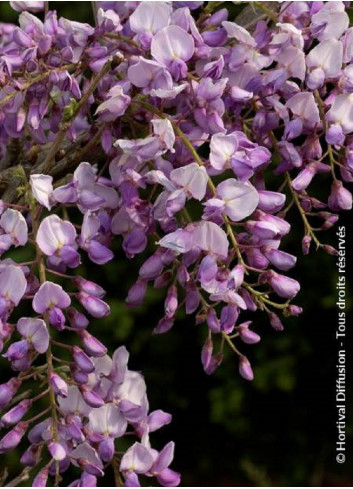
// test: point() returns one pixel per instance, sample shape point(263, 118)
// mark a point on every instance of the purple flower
point(330, 21)
point(211, 238)
point(74, 403)
point(58, 237)
point(35, 332)
point(172, 47)
point(50, 296)
point(192, 178)
point(324, 61)
point(86, 457)
point(160, 467)
point(223, 147)
point(108, 421)
point(341, 112)
point(114, 106)
point(89, 240)
point(14, 224)
point(42, 189)
point(12, 284)
point(137, 459)
point(304, 107)
point(239, 199)
point(164, 130)
point(85, 190)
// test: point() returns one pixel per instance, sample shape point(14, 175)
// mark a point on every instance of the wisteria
point(178, 133)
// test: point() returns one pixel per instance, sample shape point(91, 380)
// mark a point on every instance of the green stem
point(307, 226)
point(231, 344)
point(49, 356)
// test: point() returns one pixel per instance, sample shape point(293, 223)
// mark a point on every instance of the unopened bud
point(245, 369)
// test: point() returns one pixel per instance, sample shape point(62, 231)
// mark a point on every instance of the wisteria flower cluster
point(186, 137)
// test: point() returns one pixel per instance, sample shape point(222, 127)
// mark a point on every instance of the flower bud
point(206, 353)
point(74, 428)
point(164, 325)
point(91, 397)
point(63, 466)
point(136, 294)
point(31, 456)
point(271, 202)
point(340, 198)
point(171, 302)
point(237, 275)
point(41, 478)
point(82, 360)
point(152, 268)
point(57, 318)
point(250, 304)
point(91, 345)
point(293, 310)
point(168, 478)
point(106, 449)
point(163, 280)
point(262, 229)
point(90, 468)
point(306, 204)
point(56, 450)
point(17, 350)
point(192, 300)
point(306, 244)
point(275, 321)
point(246, 335)
point(304, 178)
point(89, 287)
point(13, 437)
point(218, 17)
point(213, 321)
point(95, 306)
point(280, 259)
point(330, 250)
point(183, 275)
point(8, 390)
point(285, 287)
point(88, 480)
point(245, 369)
point(229, 316)
point(16, 413)
point(58, 385)
point(77, 319)
point(330, 220)
point(78, 375)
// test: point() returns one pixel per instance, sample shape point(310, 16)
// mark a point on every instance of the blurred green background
point(279, 430)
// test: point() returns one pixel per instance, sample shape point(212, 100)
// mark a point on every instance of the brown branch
point(50, 159)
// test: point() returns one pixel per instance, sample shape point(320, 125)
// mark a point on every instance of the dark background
point(276, 431)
